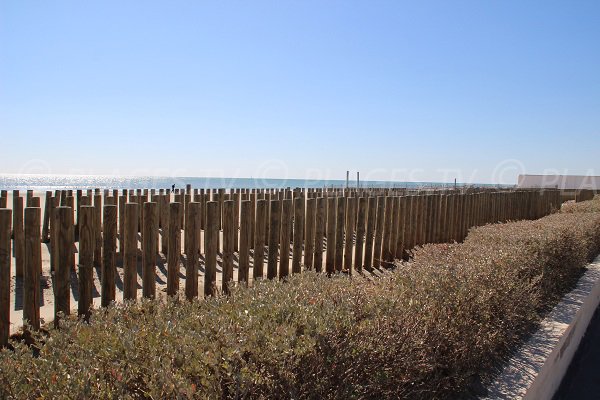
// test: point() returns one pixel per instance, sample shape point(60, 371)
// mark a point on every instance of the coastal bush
point(434, 327)
point(584, 206)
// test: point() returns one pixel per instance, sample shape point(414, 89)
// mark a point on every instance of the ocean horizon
point(53, 182)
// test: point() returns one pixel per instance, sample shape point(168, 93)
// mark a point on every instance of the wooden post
point(221, 200)
point(236, 220)
point(87, 245)
point(211, 249)
point(5, 258)
point(244, 243)
point(79, 196)
point(122, 202)
point(455, 216)
point(284, 244)
point(417, 211)
point(331, 219)
point(33, 266)
point(379, 231)
point(360, 233)
point(259, 234)
point(98, 231)
point(274, 229)
point(54, 225)
point(309, 239)
point(19, 236)
point(187, 198)
point(229, 231)
point(370, 233)
point(131, 248)
point(422, 219)
point(298, 234)
point(109, 249)
point(141, 199)
point(350, 224)
point(386, 252)
point(433, 217)
point(65, 262)
point(165, 211)
point(402, 226)
point(440, 218)
point(449, 218)
point(320, 225)
point(339, 234)
point(47, 212)
point(191, 243)
point(174, 245)
point(149, 249)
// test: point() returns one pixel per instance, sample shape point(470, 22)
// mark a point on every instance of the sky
point(479, 90)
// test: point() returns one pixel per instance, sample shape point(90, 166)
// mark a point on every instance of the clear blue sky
point(397, 90)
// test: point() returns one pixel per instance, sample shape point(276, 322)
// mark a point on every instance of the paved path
point(582, 380)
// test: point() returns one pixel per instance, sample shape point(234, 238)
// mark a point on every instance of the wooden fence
point(257, 233)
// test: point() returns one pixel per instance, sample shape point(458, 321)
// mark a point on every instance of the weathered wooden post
point(320, 226)
point(211, 249)
point(28, 196)
point(32, 267)
point(236, 220)
point(330, 234)
point(395, 226)
point(309, 239)
point(370, 232)
point(131, 248)
point(54, 225)
point(350, 225)
point(65, 262)
point(47, 212)
point(402, 225)
point(386, 252)
point(19, 235)
point(221, 200)
point(5, 258)
point(298, 234)
point(122, 202)
point(174, 253)
point(229, 233)
point(109, 250)
point(360, 233)
point(274, 229)
point(421, 219)
point(380, 220)
point(339, 232)
point(284, 246)
point(191, 243)
point(260, 236)
point(98, 231)
point(244, 243)
point(165, 223)
point(87, 244)
point(150, 250)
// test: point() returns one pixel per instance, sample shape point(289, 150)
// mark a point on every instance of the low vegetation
point(585, 206)
point(434, 327)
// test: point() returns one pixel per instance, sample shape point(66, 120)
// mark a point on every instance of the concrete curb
point(537, 369)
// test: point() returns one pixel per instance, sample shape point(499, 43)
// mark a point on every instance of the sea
point(52, 182)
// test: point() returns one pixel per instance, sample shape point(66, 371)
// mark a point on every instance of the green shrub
point(431, 328)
